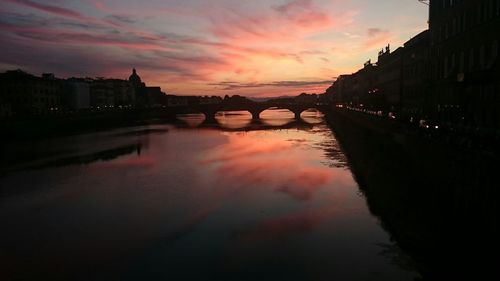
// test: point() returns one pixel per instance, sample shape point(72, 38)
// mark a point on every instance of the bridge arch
point(299, 109)
point(255, 109)
point(233, 119)
point(312, 115)
point(191, 119)
point(268, 111)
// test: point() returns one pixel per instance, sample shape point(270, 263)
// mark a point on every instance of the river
point(239, 200)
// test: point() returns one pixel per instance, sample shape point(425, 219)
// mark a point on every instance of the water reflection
point(192, 120)
point(251, 160)
point(85, 159)
point(234, 119)
point(235, 204)
point(277, 117)
point(312, 116)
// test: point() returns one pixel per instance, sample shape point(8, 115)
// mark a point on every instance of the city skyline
point(263, 48)
point(249, 140)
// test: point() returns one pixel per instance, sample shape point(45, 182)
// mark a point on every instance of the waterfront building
point(123, 92)
point(464, 38)
point(177, 101)
point(146, 96)
point(365, 89)
point(113, 93)
point(76, 95)
point(415, 77)
point(449, 73)
point(389, 74)
point(155, 97)
point(102, 94)
point(23, 94)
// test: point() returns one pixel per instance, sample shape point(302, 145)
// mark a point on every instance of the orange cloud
point(189, 50)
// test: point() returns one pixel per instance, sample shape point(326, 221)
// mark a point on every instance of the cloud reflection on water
point(282, 228)
point(253, 160)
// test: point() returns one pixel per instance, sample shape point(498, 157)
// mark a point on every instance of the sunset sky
point(211, 47)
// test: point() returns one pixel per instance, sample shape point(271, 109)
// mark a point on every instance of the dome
point(134, 78)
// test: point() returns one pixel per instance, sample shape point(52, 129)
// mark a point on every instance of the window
point(491, 9)
point(464, 21)
point(461, 66)
point(445, 70)
point(494, 50)
point(481, 56)
point(453, 64)
point(471, 59)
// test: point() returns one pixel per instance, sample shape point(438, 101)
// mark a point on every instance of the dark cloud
point(293, 5)
point(372, 32)
point(235, 85)
point(31, 19)
point(122, 18)
point(48, 8)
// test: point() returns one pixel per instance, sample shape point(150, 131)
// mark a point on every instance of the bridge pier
point(210, 117)
point(297, 114)
point(256, 114)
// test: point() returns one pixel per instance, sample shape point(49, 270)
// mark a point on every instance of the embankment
point(437, 201)
point(60, 125)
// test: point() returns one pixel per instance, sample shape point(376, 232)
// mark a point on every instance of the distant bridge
point(255, 108)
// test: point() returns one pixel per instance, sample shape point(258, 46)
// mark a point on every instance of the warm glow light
point(254, 48)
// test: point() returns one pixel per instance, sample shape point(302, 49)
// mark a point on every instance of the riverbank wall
point(61, 125)
point(437, 201)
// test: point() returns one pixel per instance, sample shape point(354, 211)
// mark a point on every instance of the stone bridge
point(255, 108)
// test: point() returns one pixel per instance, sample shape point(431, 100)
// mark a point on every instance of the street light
point(426, 2)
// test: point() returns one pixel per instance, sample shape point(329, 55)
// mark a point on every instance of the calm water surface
point(242, 200)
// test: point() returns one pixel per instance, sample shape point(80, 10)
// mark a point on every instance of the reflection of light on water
point(312, 116)
point(234, 119)
point(258, 194)
point(192, 120)
point(277, 117)
point(260, 160)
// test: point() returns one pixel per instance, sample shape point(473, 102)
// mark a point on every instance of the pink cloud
point(288, 22)
point(237, 45)
point(99, 5)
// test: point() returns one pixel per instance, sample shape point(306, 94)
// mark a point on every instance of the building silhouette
point(23, 94)
point(449, 73)
point(146, 96)
point(415, 76)
point(464, 63)
point(77, 94)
